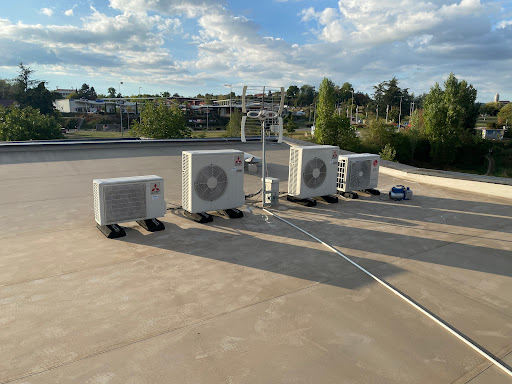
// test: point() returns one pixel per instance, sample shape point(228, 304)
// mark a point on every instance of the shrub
point(388, 153)
point(27, 124)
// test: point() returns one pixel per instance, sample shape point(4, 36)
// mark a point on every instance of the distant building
point(493, 134)
point(497, 100)
point(86, 106)
point(64, 93)
point(6, 103)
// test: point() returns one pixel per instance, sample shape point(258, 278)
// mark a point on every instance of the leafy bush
point(159, 121)
point(234, 127)
point(27, 124)
point(388, 153)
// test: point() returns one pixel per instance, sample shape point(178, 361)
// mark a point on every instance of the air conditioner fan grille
point(211, 182)
point(360, 173)
point(314, 173)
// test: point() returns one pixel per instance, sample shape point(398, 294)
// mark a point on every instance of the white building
point(64, 93)
point(94, 106)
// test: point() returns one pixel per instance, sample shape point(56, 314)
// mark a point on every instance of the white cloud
point(47, 11)
point(504, 24)
point(70, 12)
point(361, 42)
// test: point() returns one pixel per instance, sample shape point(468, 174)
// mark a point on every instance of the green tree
point(234, 127)
point(290, 125)
point(378, 134)
point(505, 114)
point(306, 95)
point(466, 99)
point(416, 131)
point(19, 124)
point(389, 93)
point(38, 98)
point(331, 128)
point(111, 92)
point(388, 153)
point(447, 114)
point(159, 121)
point(291, 93)
point(346, 133)
point(490, 109)
point(24, 80)
point(325, 130)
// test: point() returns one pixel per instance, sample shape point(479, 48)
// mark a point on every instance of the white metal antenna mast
point(264, 111)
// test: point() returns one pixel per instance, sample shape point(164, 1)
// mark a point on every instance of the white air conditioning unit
point(312, 171)
point(213, 180)
point(358, 172)
point(138, 198)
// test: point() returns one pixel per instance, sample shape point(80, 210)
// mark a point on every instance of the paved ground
point(251, 300)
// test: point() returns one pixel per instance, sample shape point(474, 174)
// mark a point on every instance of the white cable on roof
point(406, 299)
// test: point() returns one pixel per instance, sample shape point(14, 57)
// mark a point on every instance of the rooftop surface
point(250, 300)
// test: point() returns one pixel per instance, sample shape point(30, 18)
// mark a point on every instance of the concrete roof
point(249, 300)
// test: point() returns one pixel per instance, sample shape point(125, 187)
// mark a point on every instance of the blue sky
point(195, 46)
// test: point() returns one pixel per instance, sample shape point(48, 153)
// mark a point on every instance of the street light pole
point(352, 105)
point(121, 110)
point(400, 113)
point(230, 93)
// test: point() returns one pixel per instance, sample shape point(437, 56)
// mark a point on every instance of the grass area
point(86, 134)
point(82, 134)
point(489, 119)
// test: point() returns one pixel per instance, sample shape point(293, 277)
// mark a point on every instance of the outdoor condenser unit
point(358, 172)
point(312, 171)
point(213, 180)
point(137, 198)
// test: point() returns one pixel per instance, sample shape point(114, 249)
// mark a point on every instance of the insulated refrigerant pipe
point(403, 297)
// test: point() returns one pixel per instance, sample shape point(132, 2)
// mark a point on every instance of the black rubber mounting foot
point(232, 213)
point(330, 199)
point(308, 202)
point(349, 195)
point(151, 225)
point(373, 191)
point(201, 217)
point(112, 231)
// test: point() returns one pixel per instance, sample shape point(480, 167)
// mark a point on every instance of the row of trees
point(33, 118)
point(446, 123)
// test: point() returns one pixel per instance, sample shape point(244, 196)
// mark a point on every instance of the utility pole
point(400, 113)
point(387, 110)
point(121, 110)
point(352, 105)
point(230, 93)
point(377, 111)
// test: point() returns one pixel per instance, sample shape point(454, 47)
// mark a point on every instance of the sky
point(194, 47)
